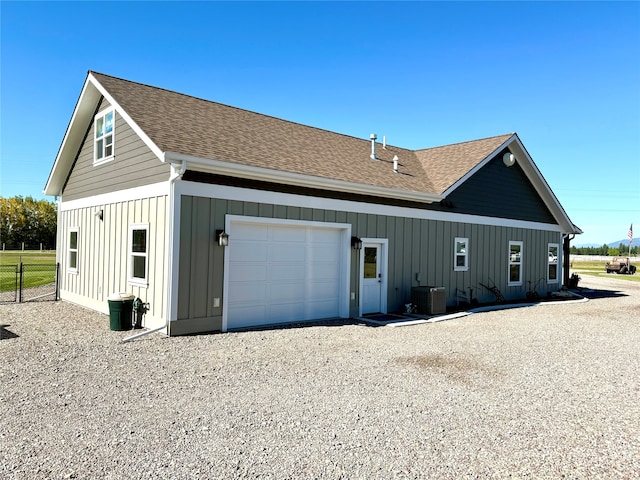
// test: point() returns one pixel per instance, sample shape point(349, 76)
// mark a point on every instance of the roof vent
point(395, 164)
point(373, 146)
point(384, 142)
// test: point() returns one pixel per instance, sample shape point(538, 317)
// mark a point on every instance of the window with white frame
point(72, 251)
point(515, 263)
point(103, 138)
point(138, 253)
point(552, 270)
point(461, 254)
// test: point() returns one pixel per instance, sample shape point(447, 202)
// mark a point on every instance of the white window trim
point(141, 282)
point(520, 263)
point(557, 247)
point(105, 159)
point(70, 269)
point(465, 267)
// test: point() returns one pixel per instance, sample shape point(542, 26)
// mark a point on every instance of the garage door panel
point(248, 293)
point(287, 253)
point(286, 312)
point(286, 292)
point(324, 253)
point(323, 271)
point(247, 272)
point(323, 290)
point(246, 251)
point(249, 231)
point(324, 235)
point(287, 234)
point(287, 271)
point(320, 309)
point(247, 315)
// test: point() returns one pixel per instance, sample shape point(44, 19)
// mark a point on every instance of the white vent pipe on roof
point(373, 146)
point(395, 164)
point(384, 142)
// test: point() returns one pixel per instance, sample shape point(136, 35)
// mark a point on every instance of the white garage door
point(282, 273)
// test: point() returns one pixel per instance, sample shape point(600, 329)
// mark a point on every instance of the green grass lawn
point(596, 268)
point(13, 257)
point(41, 269)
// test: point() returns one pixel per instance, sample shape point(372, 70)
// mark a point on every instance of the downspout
point(566, 252)
point(177, 171)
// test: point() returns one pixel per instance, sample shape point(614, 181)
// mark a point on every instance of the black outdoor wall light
point(223, 238)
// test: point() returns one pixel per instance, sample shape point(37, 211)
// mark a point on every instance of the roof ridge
point(252, 112)
point(466, 141)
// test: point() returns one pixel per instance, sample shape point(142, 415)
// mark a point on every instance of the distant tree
point(28, 220)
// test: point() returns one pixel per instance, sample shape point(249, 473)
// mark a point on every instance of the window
point(72, 251)
point(515, 263)
point(461, 254)
point(138, 253)
point(103, 146)
point(552, 270)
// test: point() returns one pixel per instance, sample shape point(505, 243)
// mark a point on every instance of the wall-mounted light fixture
point(223, 238)
point(100, 214)
point(356, 243)
point(509, 159)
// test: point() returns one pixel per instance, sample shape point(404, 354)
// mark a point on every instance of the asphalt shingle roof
point(188, 125)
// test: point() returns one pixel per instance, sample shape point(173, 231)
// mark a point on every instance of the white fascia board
point(82, 114)
point(473, 171)
point(224, 192)
point(134, 126)
point(297, 179)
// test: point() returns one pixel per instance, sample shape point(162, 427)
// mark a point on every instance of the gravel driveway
point(538, 392)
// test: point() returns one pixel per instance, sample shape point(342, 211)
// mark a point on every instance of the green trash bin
point(120, 311)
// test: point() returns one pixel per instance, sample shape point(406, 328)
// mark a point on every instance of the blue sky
point(564, 76)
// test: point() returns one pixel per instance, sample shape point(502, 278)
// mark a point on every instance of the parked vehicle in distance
point(620, 265)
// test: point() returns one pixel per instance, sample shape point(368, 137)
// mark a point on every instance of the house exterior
point(221, 218)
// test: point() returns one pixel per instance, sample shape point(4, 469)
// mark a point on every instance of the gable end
point(499, 191)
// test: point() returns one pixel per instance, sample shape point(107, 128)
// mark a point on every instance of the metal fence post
point(21, 283)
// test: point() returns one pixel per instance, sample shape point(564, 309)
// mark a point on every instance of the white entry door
point(371, 278)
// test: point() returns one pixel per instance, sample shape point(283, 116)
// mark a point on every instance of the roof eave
point(297, 179)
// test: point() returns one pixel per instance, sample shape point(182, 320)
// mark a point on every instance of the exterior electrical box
point(429, 300)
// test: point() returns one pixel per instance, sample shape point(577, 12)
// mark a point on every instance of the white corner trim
point(298, 179)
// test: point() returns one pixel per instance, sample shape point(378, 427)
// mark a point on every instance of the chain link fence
point(9, 283)
point(29, 282)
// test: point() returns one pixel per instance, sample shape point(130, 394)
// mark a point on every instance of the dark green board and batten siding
point(134, 164)
point(415, 246)
point(499, 191)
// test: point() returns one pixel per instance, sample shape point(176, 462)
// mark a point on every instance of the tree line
point(24, 220)
point(605, 250)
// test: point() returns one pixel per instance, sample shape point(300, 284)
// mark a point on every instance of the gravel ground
point(540, 392)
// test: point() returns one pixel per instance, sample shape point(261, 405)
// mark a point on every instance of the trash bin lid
point(121, 297)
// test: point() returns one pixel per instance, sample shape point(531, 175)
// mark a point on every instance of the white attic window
point(104, 137)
